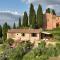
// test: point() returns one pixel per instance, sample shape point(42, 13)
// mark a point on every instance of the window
point(57, 24)
point(34, 34)
point(17, 34)
point(23, 34)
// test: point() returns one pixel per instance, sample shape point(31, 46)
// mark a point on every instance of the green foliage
point(25, 20)
point(10, 41)
point(0, 31)
point(1, 40)
point(51, 51)
point(24, 51)
point(58, 48)
point(39, 16)
point(41, 49)
point(14, 26)
point(16, 53)
point(19, 25)
point(4, 30)
point(32, 16)
point(42, 52)
point(53, 11)
point(29, 56)
point(48, 10)
point(20, 51)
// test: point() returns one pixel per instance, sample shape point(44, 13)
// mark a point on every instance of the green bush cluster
point(16, 53)
point(25, 51)
point(42, 52)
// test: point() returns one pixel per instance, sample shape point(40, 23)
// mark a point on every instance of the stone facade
point(51, 21)
point(24, 34)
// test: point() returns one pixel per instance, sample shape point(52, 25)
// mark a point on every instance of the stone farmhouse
point(24, 34)
point(51, 21)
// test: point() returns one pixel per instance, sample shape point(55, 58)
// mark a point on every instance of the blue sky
point(13, 5)
point(23, 5)
point(16, 5)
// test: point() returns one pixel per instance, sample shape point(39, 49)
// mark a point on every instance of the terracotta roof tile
point(24, 31)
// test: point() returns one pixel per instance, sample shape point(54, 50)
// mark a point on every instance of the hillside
point(8, 17)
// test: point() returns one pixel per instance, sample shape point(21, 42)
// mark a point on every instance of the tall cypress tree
point(48, 10)
point(5, 29)
point(14, 26)
point(32, 16)
point(25, 19)
point(39, 16)
point(19, 25)
point(53, 11)
point(0, 31)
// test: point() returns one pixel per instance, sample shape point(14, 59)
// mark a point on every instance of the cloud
point(12, 12)
point(29, 1)
point(49, 6)
point(48, 2)
point(54, 4)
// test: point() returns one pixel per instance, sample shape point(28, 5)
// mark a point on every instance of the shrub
point(1, 41)
point(10, 41)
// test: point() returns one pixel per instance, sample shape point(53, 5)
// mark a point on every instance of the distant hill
point(9, 17)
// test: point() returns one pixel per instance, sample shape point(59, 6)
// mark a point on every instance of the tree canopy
point(19, 24)
point(14, 26)
point(39, 16)
point(32, 16)
point(48, 10)
point(0, 31)
point(25, 19)
point(53, 11)
point(5, 29)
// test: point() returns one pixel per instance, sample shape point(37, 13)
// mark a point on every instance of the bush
point(10, 41)
point(1, 41)
point(19, 51)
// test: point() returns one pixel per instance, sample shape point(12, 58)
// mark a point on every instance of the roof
point(45, 33)
point(24, 31)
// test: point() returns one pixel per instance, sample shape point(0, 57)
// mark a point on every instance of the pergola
point(46, 35)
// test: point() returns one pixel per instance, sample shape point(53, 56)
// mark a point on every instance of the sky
point(19, 6)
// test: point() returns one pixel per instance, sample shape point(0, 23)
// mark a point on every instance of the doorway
point(57, 25)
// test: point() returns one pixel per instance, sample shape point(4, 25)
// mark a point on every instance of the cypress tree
point(25, 20)
point(39, 16)
point(32, 16)
point(0, 31)
point(14, 26)
point(48, 10)
point(5, 29)
point(53, 11)
point(19, 23)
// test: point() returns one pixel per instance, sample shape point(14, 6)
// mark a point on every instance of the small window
point(23, 34)
point(17, 34)
point(34, 34)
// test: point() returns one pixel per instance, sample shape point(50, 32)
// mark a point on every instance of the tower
point(50, 21)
